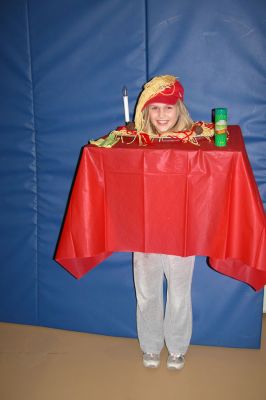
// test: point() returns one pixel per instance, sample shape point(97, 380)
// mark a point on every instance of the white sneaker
point(175, 361)
point(151, 360)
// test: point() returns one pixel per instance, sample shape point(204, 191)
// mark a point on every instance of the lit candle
point(126, 108)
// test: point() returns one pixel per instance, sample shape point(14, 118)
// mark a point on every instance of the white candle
point(126, 108)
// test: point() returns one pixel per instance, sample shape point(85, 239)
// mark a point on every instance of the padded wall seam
point(146, 5)
point(34, 141)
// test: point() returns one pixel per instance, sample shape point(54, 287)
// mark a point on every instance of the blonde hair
point(183, 122)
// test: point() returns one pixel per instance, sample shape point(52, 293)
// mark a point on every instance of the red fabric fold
point(169, 198)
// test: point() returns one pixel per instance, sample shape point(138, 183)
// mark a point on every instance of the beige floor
point(49, 364)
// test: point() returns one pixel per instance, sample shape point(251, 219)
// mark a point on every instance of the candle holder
point(130, 125)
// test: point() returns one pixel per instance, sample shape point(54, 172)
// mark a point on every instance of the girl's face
point(163, 116)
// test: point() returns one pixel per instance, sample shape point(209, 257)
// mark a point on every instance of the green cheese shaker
point(220, 129)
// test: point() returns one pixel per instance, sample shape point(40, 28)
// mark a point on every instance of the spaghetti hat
point(161, 89)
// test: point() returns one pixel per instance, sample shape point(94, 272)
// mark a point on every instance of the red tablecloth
point(169, 198)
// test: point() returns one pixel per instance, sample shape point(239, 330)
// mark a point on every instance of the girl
point(160, 109)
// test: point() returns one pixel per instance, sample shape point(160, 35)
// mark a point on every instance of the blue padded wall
point(63, 66)
point(18, 196)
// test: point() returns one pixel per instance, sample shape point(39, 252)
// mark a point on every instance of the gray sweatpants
point(174, 326)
